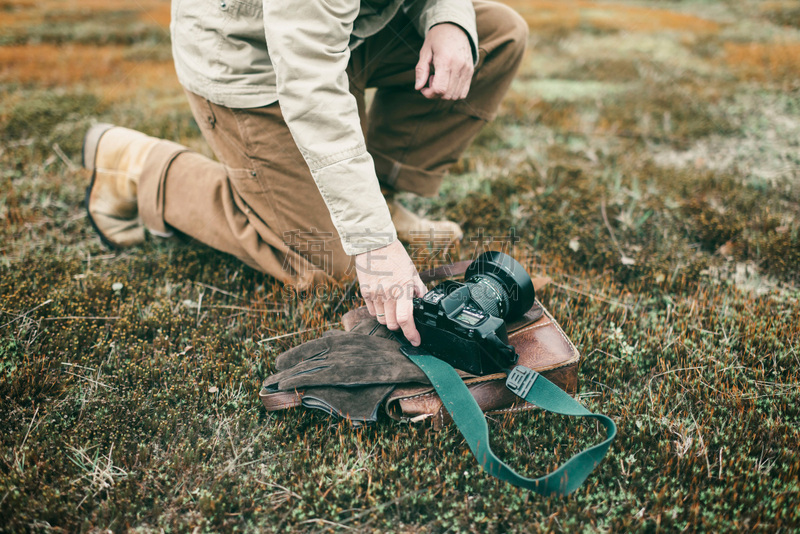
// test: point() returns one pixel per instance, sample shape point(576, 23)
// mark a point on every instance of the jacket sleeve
point(308, 45)
point(426, 14)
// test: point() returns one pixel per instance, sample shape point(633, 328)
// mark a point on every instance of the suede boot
point(411, 228)
point(116, 157)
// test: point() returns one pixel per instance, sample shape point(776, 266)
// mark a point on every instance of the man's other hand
point(445, 63)
point(389, 281)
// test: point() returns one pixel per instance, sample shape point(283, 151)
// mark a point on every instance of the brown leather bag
point(537, 337)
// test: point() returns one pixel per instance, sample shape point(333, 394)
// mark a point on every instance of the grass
point(662, 133)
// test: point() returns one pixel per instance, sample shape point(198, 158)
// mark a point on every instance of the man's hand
point(389, 281)
point(445, 63)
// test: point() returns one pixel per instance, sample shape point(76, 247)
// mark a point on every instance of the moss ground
point(647, 158)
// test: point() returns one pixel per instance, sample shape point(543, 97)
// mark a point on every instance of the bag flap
point(541, 345)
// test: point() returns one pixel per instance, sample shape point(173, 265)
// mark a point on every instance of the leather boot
point(412, 228)
point(116, 157)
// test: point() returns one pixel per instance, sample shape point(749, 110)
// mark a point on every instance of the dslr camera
point(463, 323)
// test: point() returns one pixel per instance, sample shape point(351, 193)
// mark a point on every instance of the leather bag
point(537, 337)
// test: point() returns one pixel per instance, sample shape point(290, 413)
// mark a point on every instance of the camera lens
point(500, 285)
point(489, 294)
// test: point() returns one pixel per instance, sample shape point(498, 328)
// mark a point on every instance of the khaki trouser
point(259, 201)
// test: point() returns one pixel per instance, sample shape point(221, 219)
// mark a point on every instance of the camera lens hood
point(511, 274)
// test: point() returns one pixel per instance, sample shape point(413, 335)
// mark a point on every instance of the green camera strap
point(535, 389)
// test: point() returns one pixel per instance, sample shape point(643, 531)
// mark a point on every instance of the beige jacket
point(251, 53)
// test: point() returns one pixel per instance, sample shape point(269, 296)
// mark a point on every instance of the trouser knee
point(506, 33)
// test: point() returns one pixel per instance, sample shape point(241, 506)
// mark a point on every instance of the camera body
point(463, 323)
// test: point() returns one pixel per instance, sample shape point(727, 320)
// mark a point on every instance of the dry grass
point(785, 13)
point(765, 62)
point(19, 14)
point(560, 17)
point(49, 65)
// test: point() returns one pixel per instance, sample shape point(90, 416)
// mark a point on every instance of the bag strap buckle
point(520, 380)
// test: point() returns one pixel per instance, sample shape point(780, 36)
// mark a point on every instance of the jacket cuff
point(367, 240)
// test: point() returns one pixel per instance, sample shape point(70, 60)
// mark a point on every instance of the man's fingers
point(466, 81)
point(448, 83)
point(441, 80)
point(405, 318)
point(380, 311)
point(465, 89)
point(458, 87)
point(370, 306)
point(419, 287)
point(423, 68)
point(390, 293)
point(436, 87)
point(427, 92)
point(390, 309)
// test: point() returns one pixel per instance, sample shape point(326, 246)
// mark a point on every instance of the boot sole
point(88, 158)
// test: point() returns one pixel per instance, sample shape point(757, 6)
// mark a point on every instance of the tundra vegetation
point(647, 159)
